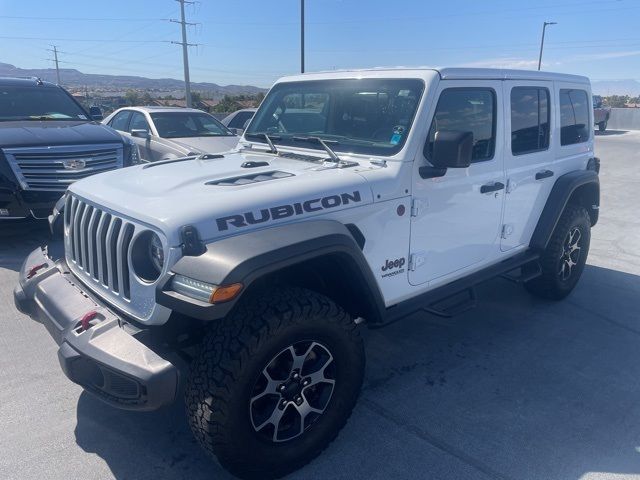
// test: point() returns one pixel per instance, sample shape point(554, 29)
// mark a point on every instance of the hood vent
point(248, 179)
point(300, 156)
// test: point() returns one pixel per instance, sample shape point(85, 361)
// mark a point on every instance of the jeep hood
point(220, 197)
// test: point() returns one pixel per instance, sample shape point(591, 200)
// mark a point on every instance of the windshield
point(38, 103)
point(188, 124)
point(368, 116)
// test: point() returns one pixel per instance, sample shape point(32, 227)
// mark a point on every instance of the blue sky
point(256, 41)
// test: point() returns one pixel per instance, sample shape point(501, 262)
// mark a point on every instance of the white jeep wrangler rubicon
point(353, 198)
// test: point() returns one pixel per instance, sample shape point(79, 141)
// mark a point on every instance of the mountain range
point(616, 87)
point(117, 84)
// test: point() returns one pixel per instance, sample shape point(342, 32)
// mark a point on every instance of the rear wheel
point(563, 260)
point(275, 382)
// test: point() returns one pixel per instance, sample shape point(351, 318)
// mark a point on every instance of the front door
point(528, 158)
point(456, 219)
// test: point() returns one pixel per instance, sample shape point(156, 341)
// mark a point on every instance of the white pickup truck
point(354, 199)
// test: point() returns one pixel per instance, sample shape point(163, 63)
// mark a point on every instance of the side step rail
point(430, 300)
point(453, 305)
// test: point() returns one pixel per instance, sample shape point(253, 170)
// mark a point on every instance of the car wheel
point(275, 382)
point(563, 260)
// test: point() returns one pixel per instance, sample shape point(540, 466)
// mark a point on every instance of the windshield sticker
point(398, 131)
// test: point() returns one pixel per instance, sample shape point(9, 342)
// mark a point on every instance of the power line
point(82, 19)
point(96, 40)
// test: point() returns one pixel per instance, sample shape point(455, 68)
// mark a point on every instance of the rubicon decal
point(289, 210)
point(393, 267)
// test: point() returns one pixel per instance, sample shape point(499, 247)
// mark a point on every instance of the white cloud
point(603, 56)
point(507, 62)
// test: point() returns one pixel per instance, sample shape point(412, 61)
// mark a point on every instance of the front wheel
point(563, 260)
point(275, 382)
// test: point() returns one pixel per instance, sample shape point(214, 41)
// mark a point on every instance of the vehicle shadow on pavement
point(518, 388)
point(609, 133)
point(18, 238)
point(143, 445)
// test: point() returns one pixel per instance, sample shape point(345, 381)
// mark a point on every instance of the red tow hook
point(86, 318)
point(33, 270)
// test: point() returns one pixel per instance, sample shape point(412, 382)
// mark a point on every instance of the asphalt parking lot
point(518, 388)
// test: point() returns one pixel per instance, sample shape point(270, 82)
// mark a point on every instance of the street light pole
point(301, 36)
point(544, 27)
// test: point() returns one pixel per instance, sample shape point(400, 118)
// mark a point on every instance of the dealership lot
point(518, 388)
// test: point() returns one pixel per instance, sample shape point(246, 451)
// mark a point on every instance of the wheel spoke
point(269, 389)
point(305, 409)
point(318, 376)
point(298, 360)
point(274, 420)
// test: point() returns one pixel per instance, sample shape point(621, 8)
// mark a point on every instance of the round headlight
point(156, 252)
point(147, 256)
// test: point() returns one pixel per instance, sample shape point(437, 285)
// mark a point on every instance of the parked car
point(238, 120)
point(601, 113)
point(47, 141)
point(355, 198)
point(163, 133)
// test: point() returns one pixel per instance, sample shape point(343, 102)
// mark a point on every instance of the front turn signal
point(225, 293)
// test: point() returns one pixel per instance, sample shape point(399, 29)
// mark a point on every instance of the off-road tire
point(234, 353)
point(602, 126)
point(550, 285)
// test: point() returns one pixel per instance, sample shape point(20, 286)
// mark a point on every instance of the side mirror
point(140, 133)
point(236, 131)
point(451, 149)
point(95, 113)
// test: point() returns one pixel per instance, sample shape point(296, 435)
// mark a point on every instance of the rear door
point(528, 157)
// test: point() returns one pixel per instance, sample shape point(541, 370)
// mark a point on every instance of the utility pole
point(55, 59)
point(544, 27)
point(301, 36)
point(185, 47)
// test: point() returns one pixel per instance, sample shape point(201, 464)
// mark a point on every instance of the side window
point(574, 117)
point(529, 120)
point(240, 119)
point(138, 122)
point(119, 122)
point(466, 110)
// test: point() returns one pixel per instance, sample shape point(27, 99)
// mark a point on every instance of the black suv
point(47, 141)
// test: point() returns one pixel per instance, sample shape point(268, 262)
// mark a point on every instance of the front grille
point(98, 246)
point(55, 168)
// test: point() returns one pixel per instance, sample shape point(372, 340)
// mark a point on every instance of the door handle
point(491, 187)
point(544, 174)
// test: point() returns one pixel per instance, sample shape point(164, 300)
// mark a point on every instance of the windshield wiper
point(323, 143)
point(272, 147)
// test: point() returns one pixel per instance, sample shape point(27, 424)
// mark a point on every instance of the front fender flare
point(245, 258)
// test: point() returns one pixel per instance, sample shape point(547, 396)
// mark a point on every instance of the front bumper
point(106, 359)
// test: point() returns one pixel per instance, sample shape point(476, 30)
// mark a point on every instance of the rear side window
point(466, 110)
point(240, 119)
point(529, 120)
point(574, 117)
point(120, 121)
